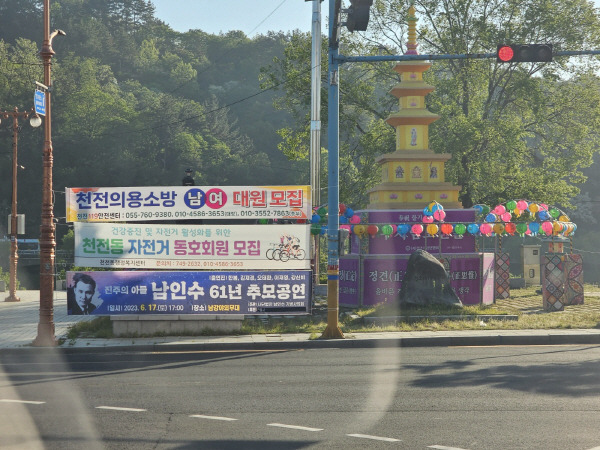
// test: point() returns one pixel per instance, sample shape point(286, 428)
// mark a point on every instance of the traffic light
point(358, 15)
point(524, 53)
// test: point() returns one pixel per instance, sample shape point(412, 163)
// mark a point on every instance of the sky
point(253, 17)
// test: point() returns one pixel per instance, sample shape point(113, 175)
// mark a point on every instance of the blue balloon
point(315, 218)
point(349, 212)
point(403, 229)
point(534, 227)
point(343, 219)
point(473, 228)
point(478, 208)
point(323, 229)
point(543, 215)
point(427, 212)
point(435, 207)
point(491, 217)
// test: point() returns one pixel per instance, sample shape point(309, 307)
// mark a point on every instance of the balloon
point(315, 228)
point(543, 215)
point(439, 215)
point(506, 217)
point(485, 210)
point(403, 229)
point(522, 205)
point(342, 208)
point(564, 218)
point(324, 229)
point(547, 227)
point(436, 207)
point(534, 227)
point(490, 217)
point(500, 209)
point(432, 229)
point(446, 228)
point(417, 229)
point(485, 228)
point(498, 228)
point(372, 230)
point(533, 207)
point(343, 219)
point(427, 212)
point(387, 230)
point(324, 219)
point(355, 219)
point(557, 228)
point(511, 205)
point(322, 211)
point(427, 219)
point(360, 230)
point(478, 208)
point(554, 213)
point(510, 228)
point(460, 229)
point(473, 228)
point(394, 229)
point(521, 228)
point(349, 212)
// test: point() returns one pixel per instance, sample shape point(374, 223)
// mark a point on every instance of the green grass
point(526, 303)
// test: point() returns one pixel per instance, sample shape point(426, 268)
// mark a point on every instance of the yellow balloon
point(534, 208)
point(432, 229)
point(564, 218)
point(360, 230)
point(498, 228)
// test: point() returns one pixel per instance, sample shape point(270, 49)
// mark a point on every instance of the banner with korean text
point(150, 203)
point(185, 247)
point(143, 292)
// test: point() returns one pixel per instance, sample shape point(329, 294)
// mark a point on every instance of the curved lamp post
point(45, 336)
point(35, 121)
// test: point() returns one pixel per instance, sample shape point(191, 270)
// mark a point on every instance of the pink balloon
point(394, 228)
point(439, 215)
point(355, 219)
point(417, 228)
point(506, 217)
point(547, 227)
point(522, 205)
point(500, 209)
point(485, 228)
point(346, 227)
point(427, 219)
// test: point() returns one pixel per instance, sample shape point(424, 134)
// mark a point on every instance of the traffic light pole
point(332, 331)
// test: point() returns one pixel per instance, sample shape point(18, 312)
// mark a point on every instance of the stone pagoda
point(413, 175)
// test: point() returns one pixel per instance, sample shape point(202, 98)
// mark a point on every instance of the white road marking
point(294, 427)
point(119, 408)
point(442, 447)
point(29, 402)
point(376, 438)
point(199, 416)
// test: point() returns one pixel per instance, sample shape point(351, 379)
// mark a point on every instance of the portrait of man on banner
point(82, 298)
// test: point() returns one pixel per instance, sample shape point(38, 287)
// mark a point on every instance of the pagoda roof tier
point(412, 155)
point(391, 186)
point(411, 88)
point(412, 117)
point(409, 205)
point(412, 66)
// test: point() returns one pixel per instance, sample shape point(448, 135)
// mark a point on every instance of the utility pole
point(45, 336)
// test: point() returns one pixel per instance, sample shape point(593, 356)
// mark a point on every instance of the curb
point(349, 342)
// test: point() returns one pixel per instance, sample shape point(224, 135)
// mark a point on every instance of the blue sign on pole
point(39, 100)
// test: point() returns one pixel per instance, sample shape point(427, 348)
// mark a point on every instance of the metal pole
point(315, 126)
point(332, 331)
point(14, 257)
point(45, 336)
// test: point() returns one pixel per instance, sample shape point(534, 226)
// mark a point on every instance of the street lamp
point(45, 336)
point(35, 121)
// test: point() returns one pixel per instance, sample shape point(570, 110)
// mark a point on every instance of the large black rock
point(426, 282)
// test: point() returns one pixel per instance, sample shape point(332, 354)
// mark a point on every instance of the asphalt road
point(410, 398)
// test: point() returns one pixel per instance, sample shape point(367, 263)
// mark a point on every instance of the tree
point(515, 131)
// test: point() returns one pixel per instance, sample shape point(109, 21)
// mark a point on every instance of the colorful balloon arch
point(513, 218)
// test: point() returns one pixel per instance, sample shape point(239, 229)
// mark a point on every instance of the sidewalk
point(18, 328)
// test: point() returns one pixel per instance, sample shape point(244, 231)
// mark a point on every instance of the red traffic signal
point(524, 53)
